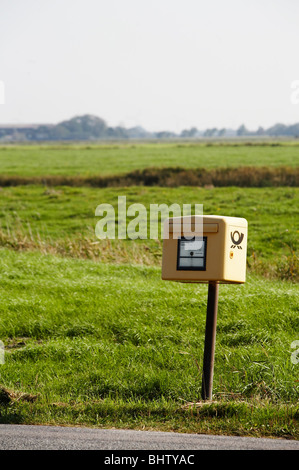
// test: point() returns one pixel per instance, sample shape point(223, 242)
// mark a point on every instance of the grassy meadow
point(61, 220)
point(94, 337)
point(104, 159)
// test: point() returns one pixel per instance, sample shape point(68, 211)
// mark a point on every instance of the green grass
point(94, 337)
point(62, 221)
point(114, 345)
point(104, 160)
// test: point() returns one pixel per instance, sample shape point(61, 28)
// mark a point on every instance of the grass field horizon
point(108, 159)
point(92, 335)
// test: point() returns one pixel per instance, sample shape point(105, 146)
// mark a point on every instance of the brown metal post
point(210, 339)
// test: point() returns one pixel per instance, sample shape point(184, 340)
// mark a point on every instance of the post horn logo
point(237, 239)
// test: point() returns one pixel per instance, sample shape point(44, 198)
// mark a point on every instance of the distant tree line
point(90, 127)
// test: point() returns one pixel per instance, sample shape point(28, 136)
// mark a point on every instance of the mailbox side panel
point(235, 253)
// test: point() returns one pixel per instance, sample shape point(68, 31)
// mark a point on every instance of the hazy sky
point(162, 64)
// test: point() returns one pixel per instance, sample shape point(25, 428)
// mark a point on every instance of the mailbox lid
point(208, 219)
point(206, 227)
point(205, 223)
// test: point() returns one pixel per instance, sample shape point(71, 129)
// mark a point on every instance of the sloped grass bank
point(170, 177)
point(62, 221)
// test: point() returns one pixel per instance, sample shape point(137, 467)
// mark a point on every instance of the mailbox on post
point(209, 249)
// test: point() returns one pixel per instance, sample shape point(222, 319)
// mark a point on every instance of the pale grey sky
point(162, 64)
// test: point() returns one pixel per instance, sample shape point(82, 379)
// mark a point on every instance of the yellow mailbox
point(215, 252)
point(211, 249)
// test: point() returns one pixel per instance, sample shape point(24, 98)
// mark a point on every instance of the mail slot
point(212, 249)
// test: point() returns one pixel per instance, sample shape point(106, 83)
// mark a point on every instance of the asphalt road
point(23, 437)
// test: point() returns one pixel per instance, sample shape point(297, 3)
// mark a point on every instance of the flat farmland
point(93, 337)
point(81, 159)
